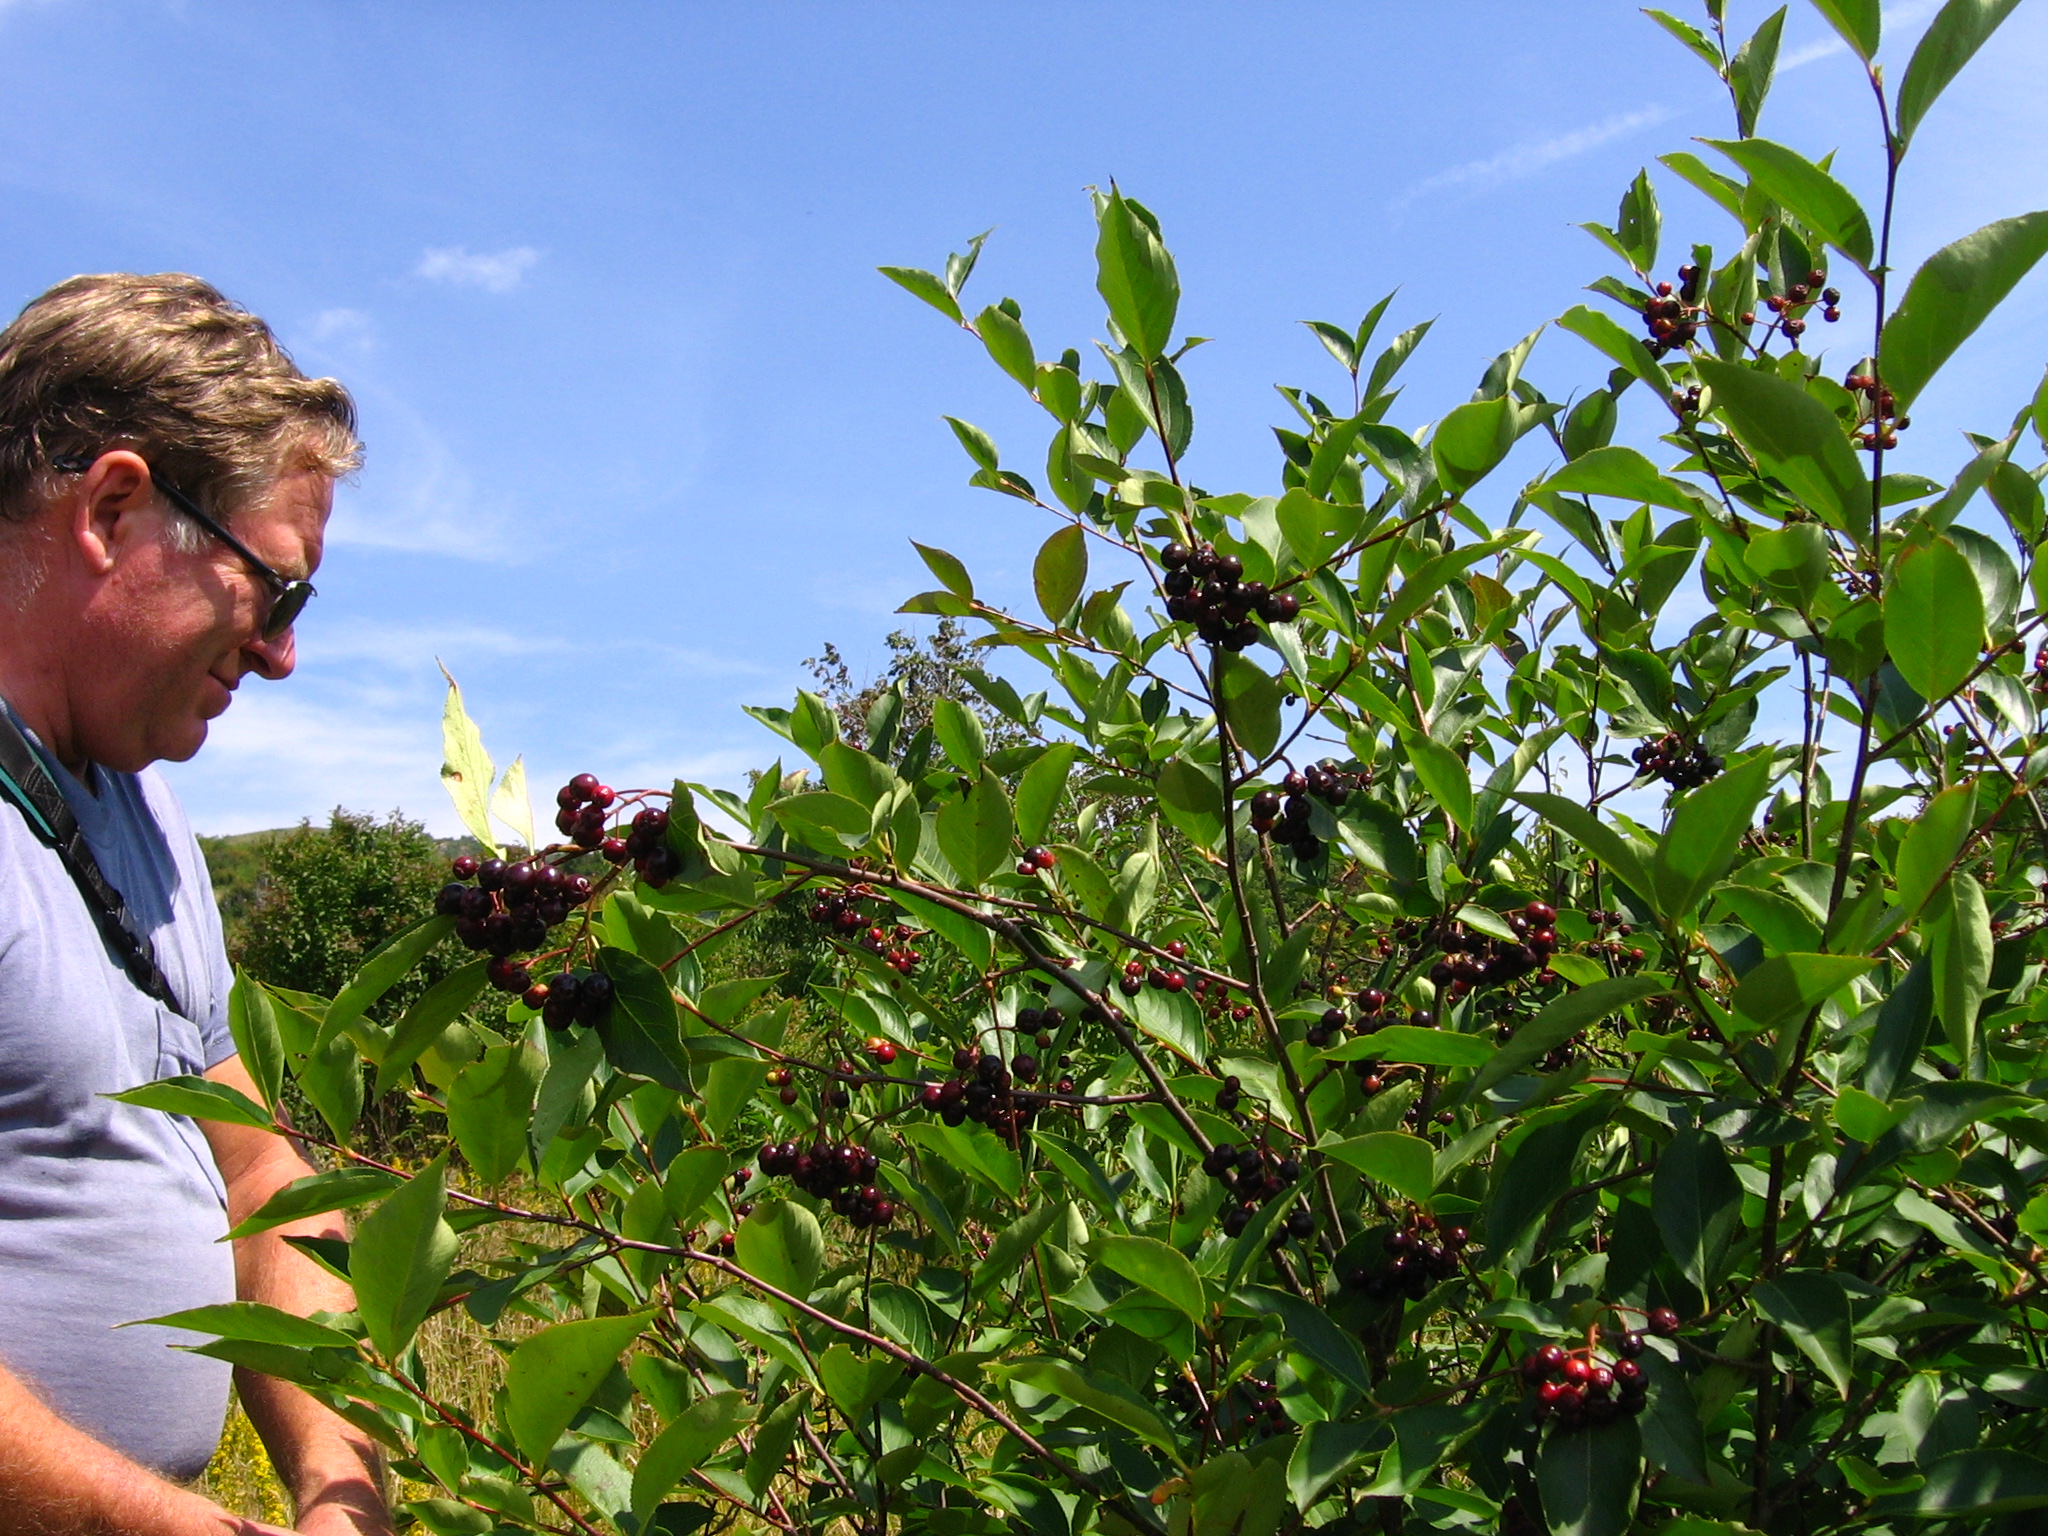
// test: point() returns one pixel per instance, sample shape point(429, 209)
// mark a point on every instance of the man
point(165, 480)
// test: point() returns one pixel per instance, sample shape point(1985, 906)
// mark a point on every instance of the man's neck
point(32, 682)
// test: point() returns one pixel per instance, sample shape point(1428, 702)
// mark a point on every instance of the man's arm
point(56, 1480)
point(330, 1466)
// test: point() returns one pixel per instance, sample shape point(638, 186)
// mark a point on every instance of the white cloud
point(349, 328)
point(492, 271)
point(1527, 158)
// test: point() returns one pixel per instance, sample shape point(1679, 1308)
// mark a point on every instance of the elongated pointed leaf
point(1934, 618)
point(1785, 987)
point(553, 1373)
point(1558, 1021)
point(1860, 23)
point(383, 970)
point(1697, 1202)
point(1588, 1479)
point(316, 1194)
point(198, 1099)
point(1796, 439)
point(253, 1023)
point(402, 1252)
point(1040, 789)
point(783, 1244)
point(1060, 573)
point(1585, 828)
point(689, 1440)
point(1953, 293)
point(1706, 830)
point(490, 1104)
point(975, 831)
point(466, 768)
point(1958, 30)
point(1135, 276)
point(1162, 1270)
point(1812, 1306)
point(1814, 197)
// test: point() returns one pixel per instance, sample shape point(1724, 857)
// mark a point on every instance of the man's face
point(179, 631)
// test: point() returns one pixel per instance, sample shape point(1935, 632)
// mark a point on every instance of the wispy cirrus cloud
point(492, 271)
point(1525, 159)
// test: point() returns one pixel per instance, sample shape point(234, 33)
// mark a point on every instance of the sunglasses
point(288, 598)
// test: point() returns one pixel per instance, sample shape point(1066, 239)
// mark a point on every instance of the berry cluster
point(1208, 590)
point(508, 909)
point(1137, 973)
point(1419, 1255)
point(1214, 998)
point(1372, 1002)
point(1247, 1406)
point(1791, 305)
point(842, 1175)
point(893, 944)
point(1287, 822)
point(840, 910)
point(1472, 961)
point(1036, 859)
point(572, 997)
point(986, 1092)
point(1880, 425)
point(1574, 1389)
point(1253, 1176)
point(1679, 763)
point(1672, 317)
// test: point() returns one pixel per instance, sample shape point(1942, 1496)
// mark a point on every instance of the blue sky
point(645, 429)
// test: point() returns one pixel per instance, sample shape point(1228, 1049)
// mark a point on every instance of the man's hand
point(331, 1468)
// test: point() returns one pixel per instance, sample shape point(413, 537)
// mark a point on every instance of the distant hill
point(237, 863)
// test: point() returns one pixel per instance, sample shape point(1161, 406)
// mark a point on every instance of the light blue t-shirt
point(110, 1213)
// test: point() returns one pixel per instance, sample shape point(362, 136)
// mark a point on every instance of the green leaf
point(1135, 276)
point(951, 573)
point(1795, 438)
point(466, 768)
point(1984, 1481)
point(975, 831)
point(643, 1034)
point(402, 1252)
point(1751, 70)
point(1251, 703)
point(1588, 1478)
point(1191, 797)
point(1442, 773)
point(1098, 1395)
point(1604, 332)
point(255, 1322)
point(1060, 573)
point(1791, 562)
point(1697, 1202)
point(426, 1020)
point(316, 1193)
point(253, 1024)
point(1639, 224)
point(691, 1178)
point(1326, 1451)
point(960, 734)
point(781, 1243)
point(1003, 334)
point(1623, 473)
point(1583, 827)
point(926, 286)
point(1040, 789)
point(1953, 293)
point(855, 1383)
point(490, 1105)
point(1405, 1164)
point(1787, 987)
point(1958, 927)
point(197, 1099)
point(1859, 22)
point(1470, 440)
point(1418, 1045)
point(1812, 1306)
point(1864, 1118)
point(1933, 843)
point(1558, 1021)
point(552, 1374)
point(1706, 829)
point(979, 445)
point(690, 1439)
point(1903, 1023)
point(386, 966)
point(1812, 196)
point(1958, 30)
point(1934, 618)
point(1311, 1332)
point(1162, 1270)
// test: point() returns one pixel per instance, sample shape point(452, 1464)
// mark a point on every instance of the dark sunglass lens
point(291, 602)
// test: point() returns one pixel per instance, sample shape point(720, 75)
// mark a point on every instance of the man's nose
point(273, 656)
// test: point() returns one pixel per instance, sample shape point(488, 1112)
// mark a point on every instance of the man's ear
point(113, 510)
